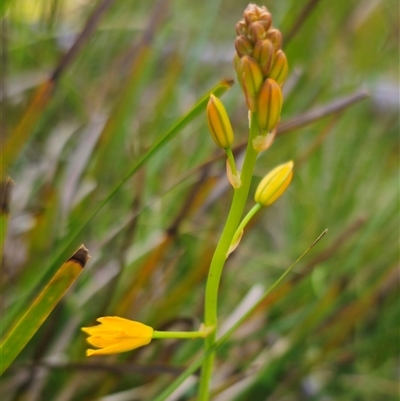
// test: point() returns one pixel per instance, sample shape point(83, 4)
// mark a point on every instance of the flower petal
point(132, 328)
point(106, 341)
point(119, 347)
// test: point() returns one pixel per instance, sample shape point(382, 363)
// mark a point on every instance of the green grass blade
point(40, 309)
point(73, 237)
point(198, 108)
point(197, 363)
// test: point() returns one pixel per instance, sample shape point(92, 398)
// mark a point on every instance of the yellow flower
point(115, 335)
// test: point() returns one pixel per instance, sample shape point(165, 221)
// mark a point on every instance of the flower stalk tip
point(258, 44)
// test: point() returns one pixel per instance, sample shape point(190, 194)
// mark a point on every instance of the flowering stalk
point(257, 48)
point(261, 69)
point(219, 258)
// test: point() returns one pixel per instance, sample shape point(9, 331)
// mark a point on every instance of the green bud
point(219, 123)
point(274, 184)
point(269, 105)
point(280, 68)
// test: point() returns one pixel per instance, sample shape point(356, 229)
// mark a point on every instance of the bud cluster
point(260, 64)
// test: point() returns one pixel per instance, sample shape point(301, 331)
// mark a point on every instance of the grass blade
point(40, 309)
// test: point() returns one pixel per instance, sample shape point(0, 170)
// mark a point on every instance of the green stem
point(218, 261)
point(180, 334)
point(231, 160)
point(246, 219)
point(191, 369)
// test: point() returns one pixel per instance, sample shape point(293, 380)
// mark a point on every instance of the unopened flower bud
point(251, 13)
point(274, 184)
point(250, 77)
point(257, 31)
point(269, 105)
point(264, 53)
point(266, 18)
point(275, 36)
point(254, 13)
point(219, 123)
point(243, 45)
point(280, 68)
point(241, 28)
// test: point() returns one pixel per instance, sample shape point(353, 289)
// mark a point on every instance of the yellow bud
point(275, 36)
point(264, 54)
point(250, 77)
point(274, 184)
point(269, 105)
point(280, 68)
point(219, 123)
point(243, 45)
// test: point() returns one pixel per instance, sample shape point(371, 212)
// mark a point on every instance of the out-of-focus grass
point(331, 331)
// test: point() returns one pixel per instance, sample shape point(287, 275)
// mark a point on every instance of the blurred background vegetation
point(80, 120)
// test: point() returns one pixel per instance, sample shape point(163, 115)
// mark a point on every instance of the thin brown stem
point(87, 31)
point(302, 17)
